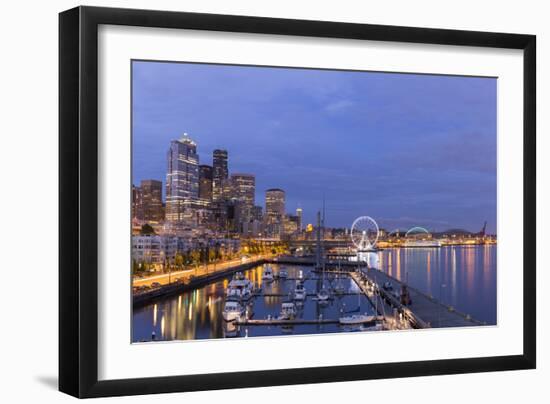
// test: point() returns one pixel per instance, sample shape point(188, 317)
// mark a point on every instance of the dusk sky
point(408, 150)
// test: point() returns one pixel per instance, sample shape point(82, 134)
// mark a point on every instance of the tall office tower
point(182, 178)
point(151, 200)
point(299, 216)
point(274, 205)
point(219, 174)
point(205, 182)
point(244, 188)
point(136, 203)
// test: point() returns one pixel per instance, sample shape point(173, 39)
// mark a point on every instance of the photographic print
point(275, 201)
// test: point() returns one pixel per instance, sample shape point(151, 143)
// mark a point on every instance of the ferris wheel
point(364, 233)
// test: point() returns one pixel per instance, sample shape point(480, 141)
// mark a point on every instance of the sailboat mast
point(323, 239)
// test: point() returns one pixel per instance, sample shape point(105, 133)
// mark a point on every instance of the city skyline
point(442, 172)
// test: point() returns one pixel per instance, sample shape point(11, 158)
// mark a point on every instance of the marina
point(358, 298)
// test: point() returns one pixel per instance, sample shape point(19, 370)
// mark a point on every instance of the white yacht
point(232, 311)
point(239, 288)
point(268, 274)
point(355, 319)
point(300, 293)
point(288, 311)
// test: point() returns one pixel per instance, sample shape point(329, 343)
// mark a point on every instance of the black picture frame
point(78, 196)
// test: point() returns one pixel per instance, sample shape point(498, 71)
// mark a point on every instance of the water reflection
point(462, 276)
point(198, 314)
point(465, 276)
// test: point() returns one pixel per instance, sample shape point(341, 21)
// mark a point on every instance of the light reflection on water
point(462, 276)
point(465, 277)
point(198, 314)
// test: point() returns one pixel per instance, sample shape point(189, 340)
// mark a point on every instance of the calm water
point(464, 277)
point(198, 314)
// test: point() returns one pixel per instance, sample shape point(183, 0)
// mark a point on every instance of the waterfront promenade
point(199, 271)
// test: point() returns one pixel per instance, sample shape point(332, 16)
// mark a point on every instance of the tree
point(147, 230)
point(179, 260)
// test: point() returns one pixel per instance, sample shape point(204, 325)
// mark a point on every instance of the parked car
point(156, 285)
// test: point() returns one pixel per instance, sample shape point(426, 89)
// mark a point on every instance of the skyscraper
point(136, 203)
point(299, 216)
point(182, 178)
point(205, 182)
point(274, 210)
point(151, 201)
point(244, 188)
point(219, 174)
point(274, 204)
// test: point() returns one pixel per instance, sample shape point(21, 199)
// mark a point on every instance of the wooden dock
point(424, 311)
point(307, 294)
point(297, 321)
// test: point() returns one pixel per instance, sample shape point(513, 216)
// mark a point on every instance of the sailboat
point(356, 319)
point(339, 287)
point(323, 295)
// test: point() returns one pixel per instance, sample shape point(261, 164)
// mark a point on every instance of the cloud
point(339, 106)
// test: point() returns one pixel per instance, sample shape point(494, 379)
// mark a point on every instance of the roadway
point(199, 271)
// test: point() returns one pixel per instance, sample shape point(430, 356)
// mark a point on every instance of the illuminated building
point(290, 224)
point(182, 179)
point(136, 202)
point(274, 210)
point(244, 188)
point(205, 182)
point(275, 204)
point(220, 173)
point(150, 207)
point(299, 216)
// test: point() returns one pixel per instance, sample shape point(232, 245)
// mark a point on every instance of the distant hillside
point(455, 231)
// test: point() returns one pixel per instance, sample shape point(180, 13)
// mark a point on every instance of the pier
point(423, 312)
point(299, 321)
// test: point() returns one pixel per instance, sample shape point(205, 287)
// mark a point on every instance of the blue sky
point(405, 149)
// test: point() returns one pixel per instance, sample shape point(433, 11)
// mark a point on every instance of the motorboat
point(288, 311)
point(356, 319)
point(240, 288)
point(232, 310)
point(300, 293)
point(268, 274)
point(282, 274)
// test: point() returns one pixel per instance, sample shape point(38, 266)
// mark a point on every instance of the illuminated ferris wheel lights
point(361, 228)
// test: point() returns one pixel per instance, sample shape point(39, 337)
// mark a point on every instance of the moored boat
point(232, 311)
point(288, 311)
point(268, 274)
point(356, 319)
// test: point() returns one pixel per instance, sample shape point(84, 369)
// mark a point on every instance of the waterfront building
point(220, 173)
point(151, 209)
point(154, 250)
point(205, 182)
point(182, 180)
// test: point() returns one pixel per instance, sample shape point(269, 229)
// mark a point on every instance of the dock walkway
point(424, 311)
